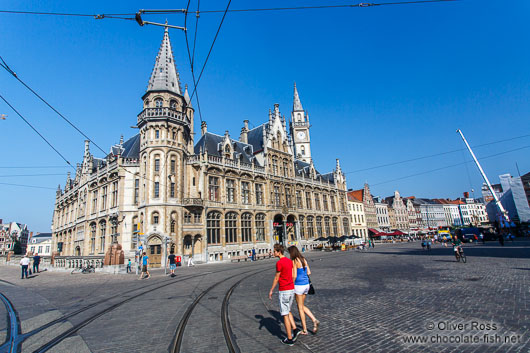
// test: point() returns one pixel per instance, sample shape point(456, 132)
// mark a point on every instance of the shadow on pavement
point(272, 324)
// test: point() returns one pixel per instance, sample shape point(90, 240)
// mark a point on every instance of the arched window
point(260, 227)
point(303, 150)
point(327, 225)
point(146, 103)
point(173, 104)
point(231, 227)
point(159, 102)
point(346, 226)
point(301, 226)
point(335, 227)
point(319, 226)
point(187, 217)
point(213, 227)
point(246, 227)
point(187, 242)
point(310, 231)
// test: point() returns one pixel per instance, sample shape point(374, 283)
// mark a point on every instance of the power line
point(8, 69)
point(211, 47)
point(435, 155)
point(38, 133)
point(35, 167)
point(27, 175)
point(28, 186)
point(96, 16)
point(191, 60)
point(450, 166)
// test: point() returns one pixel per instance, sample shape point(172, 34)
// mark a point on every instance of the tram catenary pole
point(497, 201)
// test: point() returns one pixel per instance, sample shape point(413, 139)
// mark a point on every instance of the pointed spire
point(165, 76)
point(297, 105)
point(337, 166)
point(121, 139)
point(187, 96)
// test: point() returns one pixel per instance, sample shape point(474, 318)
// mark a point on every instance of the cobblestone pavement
point(394, 298)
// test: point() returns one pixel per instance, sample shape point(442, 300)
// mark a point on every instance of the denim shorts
point(172, 266)
point(286, 300)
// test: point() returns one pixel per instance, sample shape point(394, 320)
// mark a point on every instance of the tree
point(17, 248)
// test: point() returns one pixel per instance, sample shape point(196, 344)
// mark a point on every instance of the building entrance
point(155, 255)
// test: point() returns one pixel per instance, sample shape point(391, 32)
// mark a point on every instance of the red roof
point(355, 195)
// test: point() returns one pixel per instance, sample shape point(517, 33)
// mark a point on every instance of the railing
point(300, 124)
point(78, 261)
point(193, 159)
point(163, 112)
point(192, 202)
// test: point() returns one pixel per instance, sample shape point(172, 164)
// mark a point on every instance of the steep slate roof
point(211, 143)
point(255, 137)
point(165, 76)
point(297, 105)
point(301, 168)
point(131, 147)
point(329, 177)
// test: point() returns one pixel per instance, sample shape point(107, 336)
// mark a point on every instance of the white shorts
point(286, 300)
point(301, 289)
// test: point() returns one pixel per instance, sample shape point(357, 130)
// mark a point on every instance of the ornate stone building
point(214, 198)
point(398, 213)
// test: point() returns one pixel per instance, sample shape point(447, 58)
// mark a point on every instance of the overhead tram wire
point(9, 70)
point(38, 133)
point(28, 175)
point(191, 60)
point(211, 47)
point(316, 7)
point(28, 186)
point(452, 165)
point(434, 155)
point(96, 16)
point(34, 167)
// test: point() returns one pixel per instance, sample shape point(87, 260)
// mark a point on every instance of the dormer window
point(173, 104)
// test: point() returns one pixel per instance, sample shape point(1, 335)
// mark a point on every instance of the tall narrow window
point(301, 227)
point(298, 199)
point(274, 166)
point(230, 190)
point(260, 227)
point(114, 200)
point(136, 190)
point(319, 226)
point(94, 201)
point(332, 201)
point(157, 189)
point(213, 188)
point(277, 199)
point(335, 227)
point(187, 217)
point(172, 190)
point(285, 170)
point(92, 238)
point(245, 192)
point(213, 227)
point(173, 166)
point(327, 225)
point(308, 200)
point(157, 134)
point(103, 198)
point(155, 218)
point(246, 227)
point(288, 196)
point(231, 227)
point(317, 202)
point(259, 194)
point(325, 201)
point(102, 234)
point(157, 164)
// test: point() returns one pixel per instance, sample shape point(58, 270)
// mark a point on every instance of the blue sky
point(381, 84)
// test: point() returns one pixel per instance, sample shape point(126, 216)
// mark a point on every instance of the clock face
point(301, 135)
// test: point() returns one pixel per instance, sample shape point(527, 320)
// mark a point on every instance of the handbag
point(311, 290)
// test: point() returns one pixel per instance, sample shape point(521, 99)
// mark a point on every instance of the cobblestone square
point(394, 298)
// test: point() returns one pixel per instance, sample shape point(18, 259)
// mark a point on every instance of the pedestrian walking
point(190, 260)
point(301, 288)
point(253, 254)
point(24, 263)
point(284, 277)
point(36, 263)
point(145, 263)
point(129, 265)
point(172, 263)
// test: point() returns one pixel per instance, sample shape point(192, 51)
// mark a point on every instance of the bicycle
point(459, 254)
point(84, 269)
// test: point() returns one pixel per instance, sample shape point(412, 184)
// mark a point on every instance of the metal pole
point(497, 201)
point(165, 255)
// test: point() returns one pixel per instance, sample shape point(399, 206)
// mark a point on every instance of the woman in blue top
point(301, 272)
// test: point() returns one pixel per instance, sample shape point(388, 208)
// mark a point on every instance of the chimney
point(466, 194)
point(244, 132)
point(203, 128)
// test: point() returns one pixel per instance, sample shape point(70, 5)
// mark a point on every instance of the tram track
point(13, 327)
point(16, 340)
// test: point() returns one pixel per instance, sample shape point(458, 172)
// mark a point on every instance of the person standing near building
point(190, 260)
point(145, 263)
point(24, 262)
point(253, 254)
point(36, 263)
point(172, 263)
point(284, 277)
point(129, 264)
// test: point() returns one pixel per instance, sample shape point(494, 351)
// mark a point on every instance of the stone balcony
point(163, 113)
point(193, 202)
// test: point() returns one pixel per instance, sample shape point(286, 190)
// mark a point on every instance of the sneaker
point(296, 333)
point(287, 341)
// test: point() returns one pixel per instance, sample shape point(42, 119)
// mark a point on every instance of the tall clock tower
point(300, 130)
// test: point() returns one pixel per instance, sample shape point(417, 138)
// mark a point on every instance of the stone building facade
point(398, 212)
point(214, 198)
point(358, 217)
